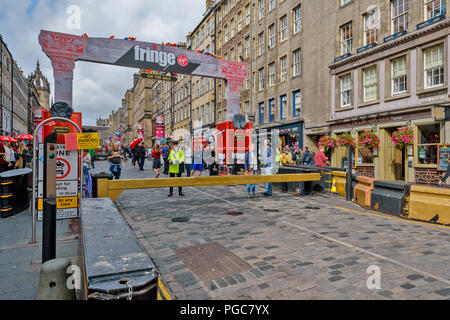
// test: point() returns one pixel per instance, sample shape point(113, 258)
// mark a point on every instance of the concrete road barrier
point(363, 191)
point(430, 204)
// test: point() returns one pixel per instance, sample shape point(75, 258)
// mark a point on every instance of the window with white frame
point(247, 47)
point(346, 90)
point(434, 66)
point(271, 110)
point(434, 8)
point(233, 28)
point(247, 82)
point(239, 51)
point(344, 2)
point(208, 85)
point(370, 84)
point(283, 28)
point(272, 74)
point(207, 113)
point(399, 75)
point(297, 19)
point(239, 21)
point(346, 38)
point(225, 40)
point(399, 15)
point(260, 9)
point(247, 15)
point(261, 112)
point(261, 43)
point(261, 79)
point(232, 56)
point(283, 68)
point(247, 107)
point(297, 63)
point(371, 27)
point(271, 5)
point(202, 90)
point(272, 36)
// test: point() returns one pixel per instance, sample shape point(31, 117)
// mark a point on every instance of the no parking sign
point(67, 172)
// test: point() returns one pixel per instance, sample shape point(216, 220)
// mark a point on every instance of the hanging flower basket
point(369, 139)
point(346, 139)
point(327, 142)
point(402, 137)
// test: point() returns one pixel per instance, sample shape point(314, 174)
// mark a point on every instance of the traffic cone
point(333, 187)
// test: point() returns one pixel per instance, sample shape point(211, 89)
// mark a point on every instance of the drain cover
point(271, 210)
point(180, 219)
point(235, 213)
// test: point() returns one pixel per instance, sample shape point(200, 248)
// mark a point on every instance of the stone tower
point(42, 86)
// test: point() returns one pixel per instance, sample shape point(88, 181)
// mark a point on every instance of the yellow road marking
point(387, 217)
point(164, 292)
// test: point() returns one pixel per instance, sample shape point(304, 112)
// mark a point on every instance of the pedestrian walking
point(9, 156)
point(267, 166)
point(20, 163)
point(176, 157)
point(141, 155)
point(156, 155)
point(320, 158)
point(447, 173)
point(115, 161)
point(166, 152)
point(306, 156)
point(251, 168)
point(198, 162)
point(92, 154)
point(187, 159)
point(29, 156)
point(86, 173)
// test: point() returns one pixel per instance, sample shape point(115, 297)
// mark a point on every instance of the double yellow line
point(162, 292)
point(393, 218)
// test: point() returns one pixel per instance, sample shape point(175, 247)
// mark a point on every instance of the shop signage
point(377, 120)
point(344, 56)
point(438, 113)
point(443, 157)
point(82, 141)
point(395, 36)
point(430, 22)
point(365, 48)
point(422, 153)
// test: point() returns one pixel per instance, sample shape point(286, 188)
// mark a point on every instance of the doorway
point(392, 159)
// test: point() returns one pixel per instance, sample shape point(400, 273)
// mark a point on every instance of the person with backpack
point(141, 155)
point(166, 153)
point(306, 158)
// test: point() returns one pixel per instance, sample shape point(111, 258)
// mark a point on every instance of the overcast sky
point(98, 89)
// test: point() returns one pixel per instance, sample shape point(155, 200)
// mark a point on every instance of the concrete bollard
point(53, 281)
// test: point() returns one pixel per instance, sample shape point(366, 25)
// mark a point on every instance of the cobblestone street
point(284, 246)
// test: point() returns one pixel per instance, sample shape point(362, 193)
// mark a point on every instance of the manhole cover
point(312, 208)
point(271, 210)
point(211, 261)
point(235, 213)
point(180, 219)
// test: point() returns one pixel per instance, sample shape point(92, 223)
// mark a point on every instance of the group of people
point(15, 155)
point(300, 157)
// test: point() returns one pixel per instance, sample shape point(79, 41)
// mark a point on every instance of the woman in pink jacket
point(320, 158)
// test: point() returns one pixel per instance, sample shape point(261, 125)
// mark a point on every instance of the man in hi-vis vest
point(176, 157)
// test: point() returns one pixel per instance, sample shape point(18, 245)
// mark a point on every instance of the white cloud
point(98, 89)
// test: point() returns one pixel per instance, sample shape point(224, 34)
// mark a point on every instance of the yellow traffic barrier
point(363, 191)
point(113, 188)
point(429, 204)
point(340, 178)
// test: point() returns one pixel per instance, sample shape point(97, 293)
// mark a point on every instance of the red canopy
point(7, 139)
point(24, 136)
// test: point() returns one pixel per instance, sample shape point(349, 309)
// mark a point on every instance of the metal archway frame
point(64, 49)
point(36, 163)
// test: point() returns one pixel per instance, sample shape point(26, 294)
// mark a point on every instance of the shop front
point(290, 135)
point(415, 162)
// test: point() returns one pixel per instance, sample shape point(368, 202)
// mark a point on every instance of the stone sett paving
point(295, 252)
